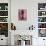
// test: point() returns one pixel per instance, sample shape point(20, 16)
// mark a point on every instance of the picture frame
point(22, 14)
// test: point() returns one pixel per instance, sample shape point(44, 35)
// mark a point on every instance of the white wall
point(32, 14)
point(31, 7)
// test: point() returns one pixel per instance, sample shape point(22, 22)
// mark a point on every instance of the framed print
point(22, 14)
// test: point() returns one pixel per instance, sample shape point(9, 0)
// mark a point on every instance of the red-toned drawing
point(22, 14)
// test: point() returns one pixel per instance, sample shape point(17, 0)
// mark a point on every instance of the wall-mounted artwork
point(22, 14)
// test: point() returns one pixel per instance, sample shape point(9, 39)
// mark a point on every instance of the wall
point(31, 7)
point(32, 14)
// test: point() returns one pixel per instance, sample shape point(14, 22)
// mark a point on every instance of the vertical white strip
point(22, 43)
point(12, 37)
